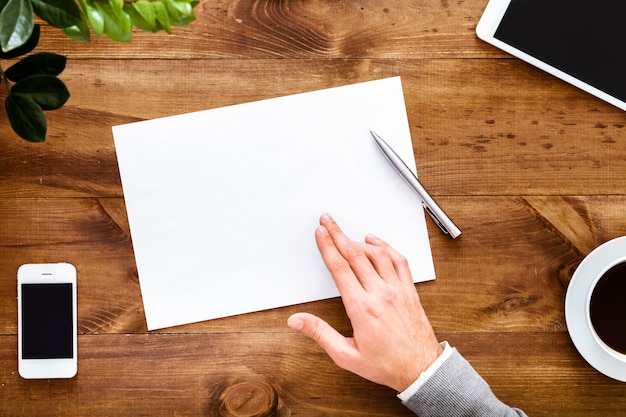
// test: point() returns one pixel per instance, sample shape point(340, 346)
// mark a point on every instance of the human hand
point(393, 341)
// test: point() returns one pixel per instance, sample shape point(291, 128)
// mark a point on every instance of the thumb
point(317, 329)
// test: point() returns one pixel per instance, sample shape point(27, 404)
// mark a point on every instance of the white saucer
point(594, 264)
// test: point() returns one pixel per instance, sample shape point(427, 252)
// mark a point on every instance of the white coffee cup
point(606, 309)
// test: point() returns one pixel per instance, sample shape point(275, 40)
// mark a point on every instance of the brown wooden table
point(532, 169)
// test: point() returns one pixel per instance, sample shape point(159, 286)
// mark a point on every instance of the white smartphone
point(580, 41)
point(46, 321)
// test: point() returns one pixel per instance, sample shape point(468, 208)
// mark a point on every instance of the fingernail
point(295, 323)
point(321, 230)
point(326, 218)
point(371, 238)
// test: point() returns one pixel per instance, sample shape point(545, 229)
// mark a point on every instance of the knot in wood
point(248, 399)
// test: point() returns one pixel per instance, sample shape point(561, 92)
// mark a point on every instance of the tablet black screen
point(585, 39)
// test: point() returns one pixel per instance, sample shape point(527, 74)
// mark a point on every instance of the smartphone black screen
point(47, 321)
point(585, 39)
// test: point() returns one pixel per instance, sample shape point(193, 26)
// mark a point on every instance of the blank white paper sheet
point(223, 203)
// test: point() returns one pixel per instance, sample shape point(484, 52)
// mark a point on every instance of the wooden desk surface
point(530, 168)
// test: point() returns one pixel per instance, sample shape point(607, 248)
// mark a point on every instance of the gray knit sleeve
point(457, 390)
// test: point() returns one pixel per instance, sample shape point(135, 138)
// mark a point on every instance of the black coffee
point(608, 307)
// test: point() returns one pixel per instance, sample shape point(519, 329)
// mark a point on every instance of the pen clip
point(435, 219)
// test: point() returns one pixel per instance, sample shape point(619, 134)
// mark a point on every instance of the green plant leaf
point(117, 23)
point(187, 13)
point(30, 44)
point(172, 11)
point(59, 13)
point(47, 91)
point(162, 16)
point(137, 20)
point(16, 24)
point(117, 5)
point(181, 12)
point(80, 31)
point(95, 19)
point(142, 15)
point(26, 117)
point(40, 63)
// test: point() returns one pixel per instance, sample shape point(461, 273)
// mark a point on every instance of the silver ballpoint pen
point(432, 208)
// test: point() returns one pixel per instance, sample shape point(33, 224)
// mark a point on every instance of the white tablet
point(580, 41)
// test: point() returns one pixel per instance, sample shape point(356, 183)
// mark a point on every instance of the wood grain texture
point(531, 169)
point(184, 374)
point(248, 29)
point(557, 143)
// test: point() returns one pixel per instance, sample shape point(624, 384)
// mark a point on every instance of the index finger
point(346, 281)
point(370, 265)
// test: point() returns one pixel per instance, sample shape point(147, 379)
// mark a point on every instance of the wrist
point(419, 367)
point(446, 351)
